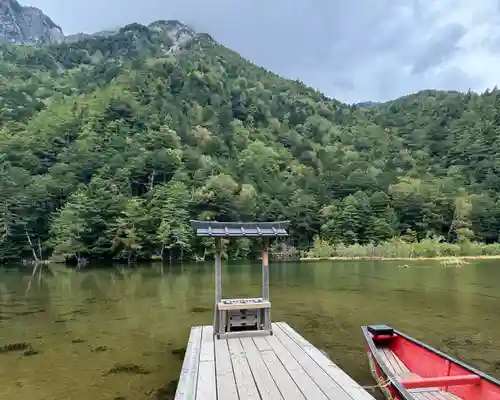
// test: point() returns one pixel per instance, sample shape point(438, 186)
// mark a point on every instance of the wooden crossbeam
point(440, 381)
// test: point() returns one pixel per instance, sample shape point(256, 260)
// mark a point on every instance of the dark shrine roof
point(240, 229)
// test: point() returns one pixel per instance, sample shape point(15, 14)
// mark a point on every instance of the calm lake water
point(120, 333)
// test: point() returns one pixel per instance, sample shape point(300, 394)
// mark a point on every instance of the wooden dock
point(281, 366)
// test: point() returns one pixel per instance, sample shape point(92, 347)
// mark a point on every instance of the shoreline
point(418, 258)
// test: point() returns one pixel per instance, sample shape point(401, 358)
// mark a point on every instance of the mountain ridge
point(26, 25)
point(110, 144)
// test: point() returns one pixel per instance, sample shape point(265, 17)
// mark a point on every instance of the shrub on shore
point(399, 248)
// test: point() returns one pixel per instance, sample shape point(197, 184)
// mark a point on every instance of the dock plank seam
point(250, 368)
point(232, 369)
point(206, 388)
point(332, 383)
point(188, 381)
point(254, 381)
point(218, 355)
point(237, 354)
point(319, 393)
point(265, 366)
point(198, 364)
point(309, 348)
point(215, 368)
point(289, 375)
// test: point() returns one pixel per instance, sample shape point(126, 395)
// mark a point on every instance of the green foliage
point(170, 204)
point(321, 249)
point(399, 248)
point(109, 145)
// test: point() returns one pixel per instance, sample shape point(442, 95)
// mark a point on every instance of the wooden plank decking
point(284, 366)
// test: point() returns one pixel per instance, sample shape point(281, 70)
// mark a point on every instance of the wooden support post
point(265, 269)
point(218, 285)
point(265, 281)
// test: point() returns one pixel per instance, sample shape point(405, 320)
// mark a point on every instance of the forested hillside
point(109, 145)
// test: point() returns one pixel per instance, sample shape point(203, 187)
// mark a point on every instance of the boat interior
point(403, 373)
point(427, 374)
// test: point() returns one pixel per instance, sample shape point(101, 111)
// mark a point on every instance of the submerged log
point(131, 369)
point(12, 347)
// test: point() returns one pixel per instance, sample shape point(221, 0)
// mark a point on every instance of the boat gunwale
point(396, 383)
point(462, 364)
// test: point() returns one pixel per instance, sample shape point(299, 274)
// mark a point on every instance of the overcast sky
point(352, 50)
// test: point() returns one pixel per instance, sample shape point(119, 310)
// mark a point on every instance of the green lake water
point(119, 333)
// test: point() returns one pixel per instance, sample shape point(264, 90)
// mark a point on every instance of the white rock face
point(178, 33)
point(26, 25)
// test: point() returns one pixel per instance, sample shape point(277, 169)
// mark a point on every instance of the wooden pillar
point(218, 282)
point(265, 269)
point(265, 282)
point(218, 286)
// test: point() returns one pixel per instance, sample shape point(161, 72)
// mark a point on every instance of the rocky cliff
point(174, 32)
point(26, 25)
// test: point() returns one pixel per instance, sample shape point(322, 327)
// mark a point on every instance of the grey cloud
point(440, 47)
point(492, 43)
point(353, 50)
point(343, 82)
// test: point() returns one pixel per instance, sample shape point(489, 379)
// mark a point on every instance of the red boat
point(406, 369)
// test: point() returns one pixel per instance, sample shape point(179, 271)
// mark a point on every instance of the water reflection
point(120, 333)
